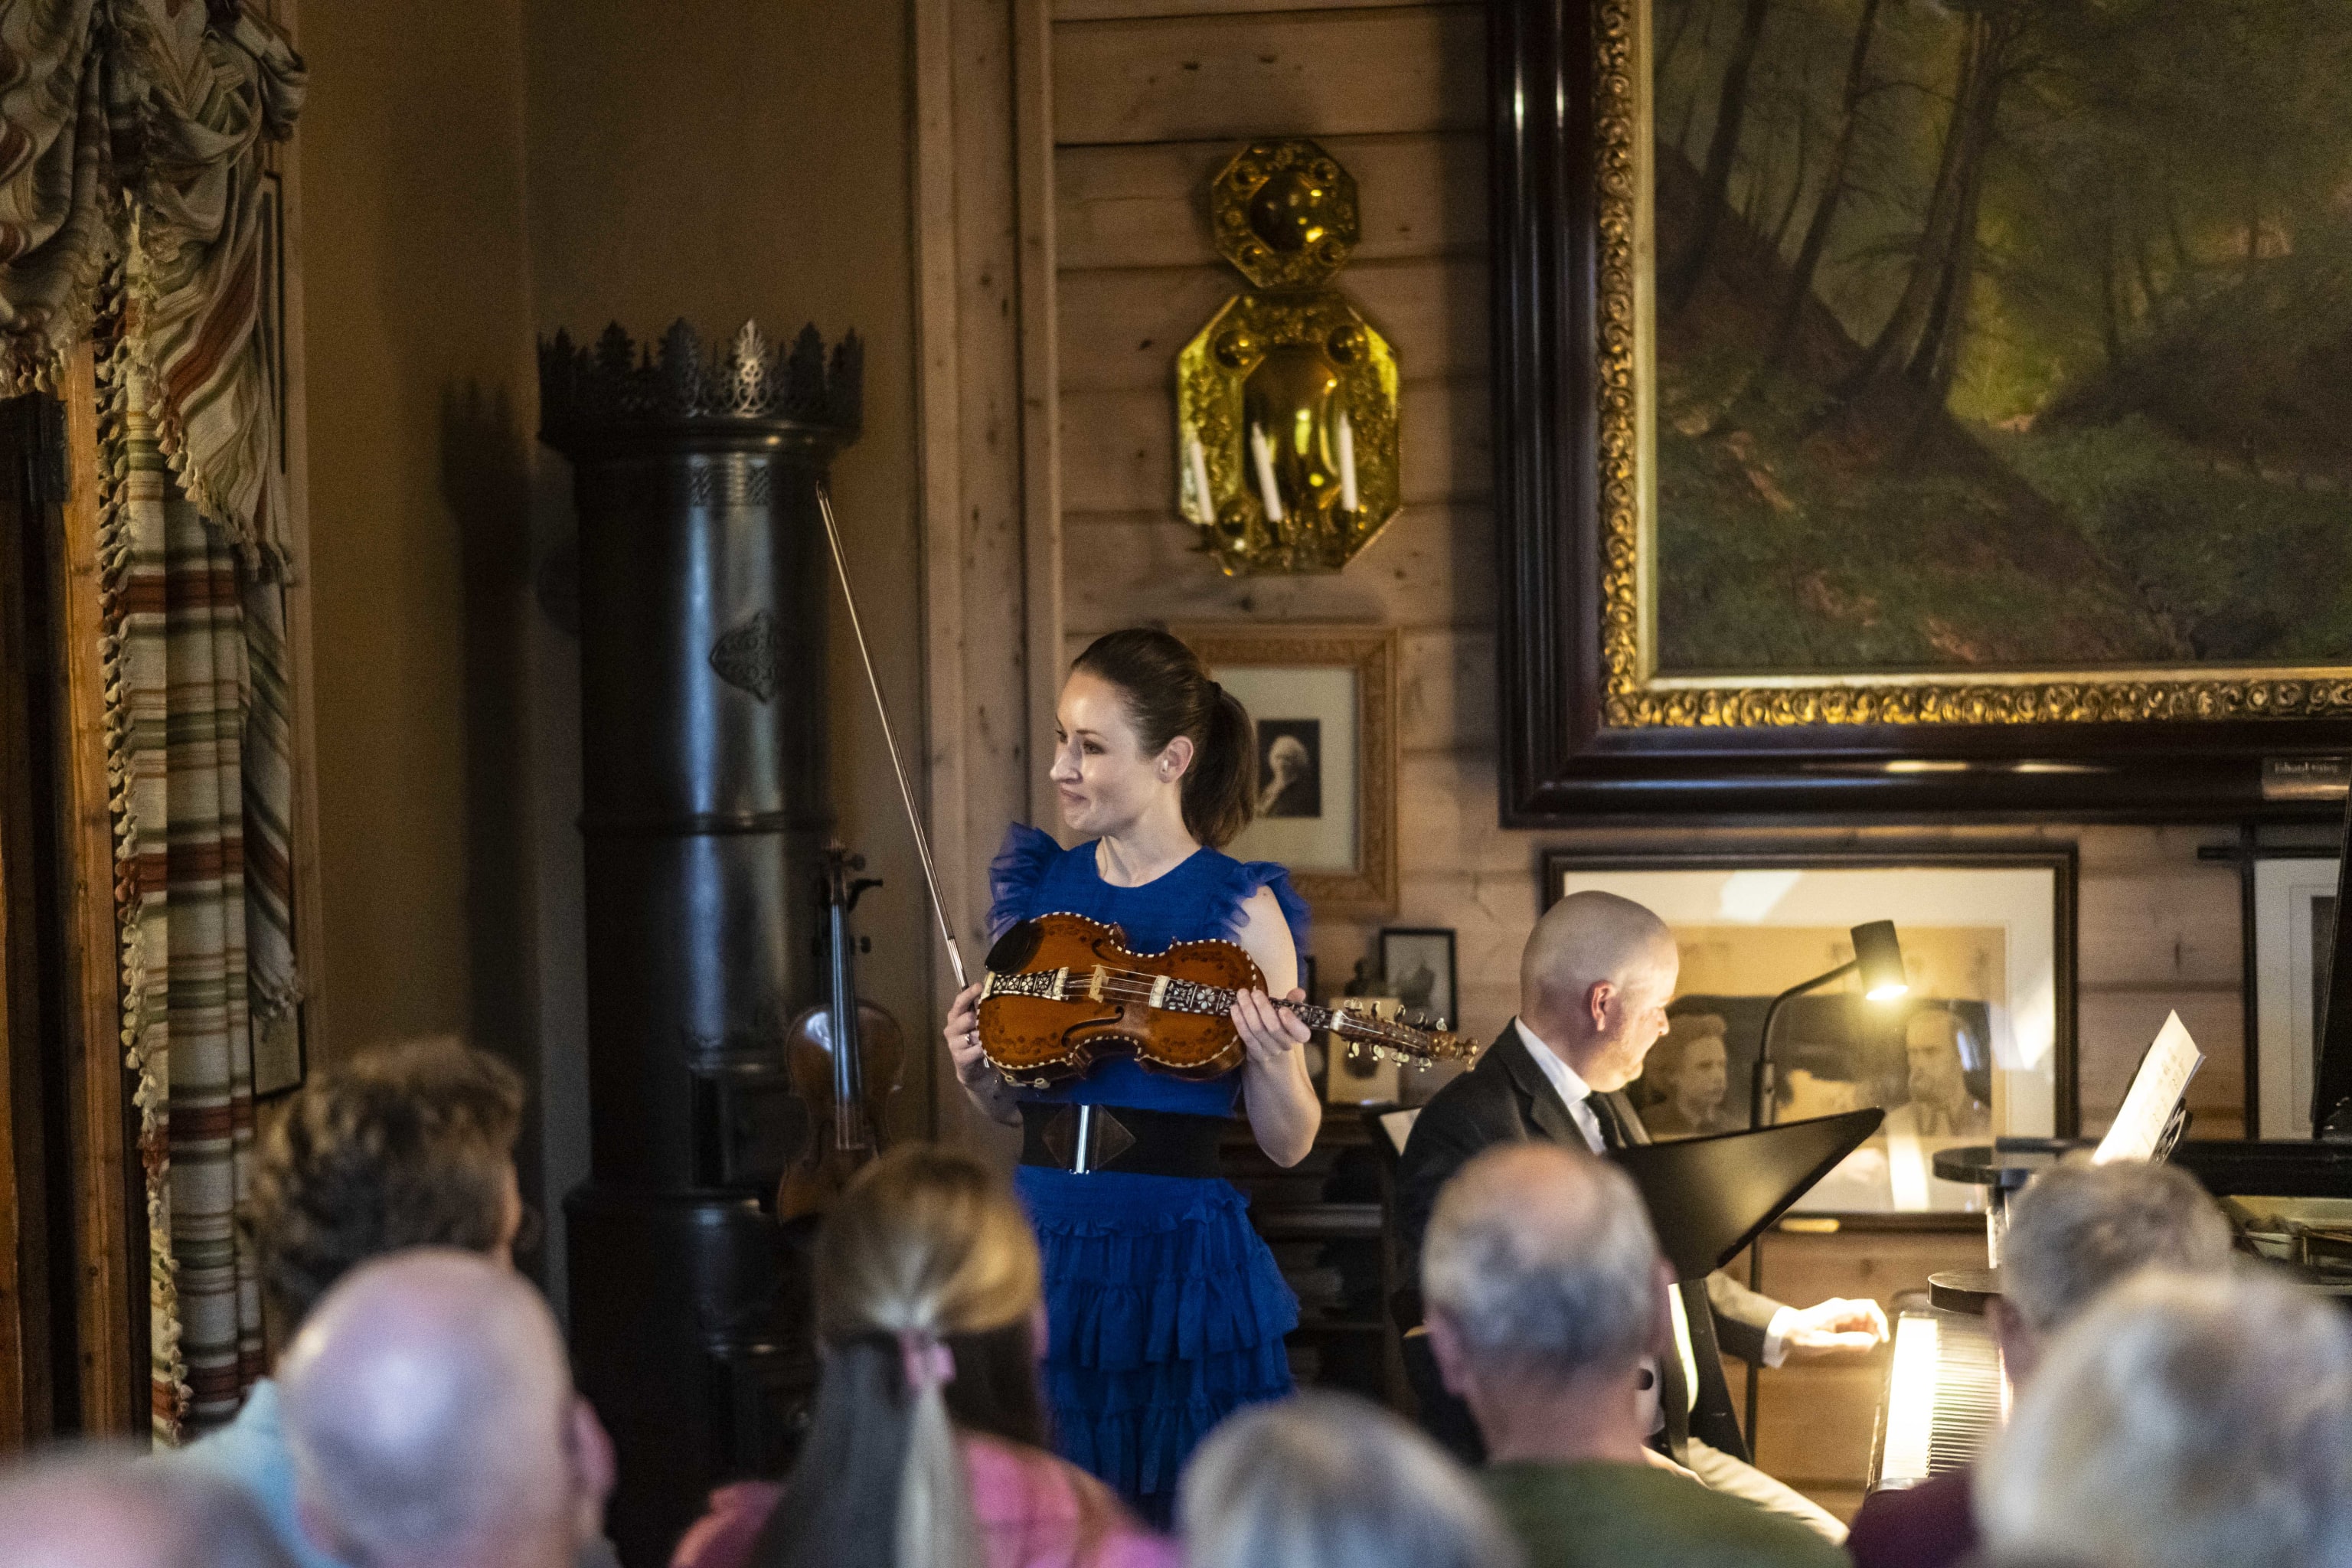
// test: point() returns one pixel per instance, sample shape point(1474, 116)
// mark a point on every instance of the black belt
point(1124, 1137)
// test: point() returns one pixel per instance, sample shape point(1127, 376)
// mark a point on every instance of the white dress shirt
point(1577, 1095)
point(1573, 1091)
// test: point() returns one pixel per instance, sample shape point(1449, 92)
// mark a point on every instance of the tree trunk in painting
point(1917, 328)
point(1722, 147)
point(1817, 231)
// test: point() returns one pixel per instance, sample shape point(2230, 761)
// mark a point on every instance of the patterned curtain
point(133, 156)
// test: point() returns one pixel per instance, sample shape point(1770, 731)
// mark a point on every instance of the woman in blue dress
point(1165, 1311)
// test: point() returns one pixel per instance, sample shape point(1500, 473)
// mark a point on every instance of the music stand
point(1711, 1196)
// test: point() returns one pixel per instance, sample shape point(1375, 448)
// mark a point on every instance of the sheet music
point(2163, 1077)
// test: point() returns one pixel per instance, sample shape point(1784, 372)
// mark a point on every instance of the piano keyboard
point(1944, 1396)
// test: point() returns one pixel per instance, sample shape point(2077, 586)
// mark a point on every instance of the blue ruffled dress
point(1165, 1309)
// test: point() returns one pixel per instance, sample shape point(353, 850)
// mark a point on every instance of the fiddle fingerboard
point(1173, 995)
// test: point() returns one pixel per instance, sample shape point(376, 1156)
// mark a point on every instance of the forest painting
point(2001, 334)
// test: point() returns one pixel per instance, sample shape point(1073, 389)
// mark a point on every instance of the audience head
point(102, 1509)
point(2182, 1422)
point(429, 1409)
point(1594, 981)
point(2078, 1230)
point(1327, 1480)
point(929, 1306)
point(1540, 1275)
point(409, 1145)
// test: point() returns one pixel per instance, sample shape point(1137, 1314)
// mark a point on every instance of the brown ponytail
point(1166, 692)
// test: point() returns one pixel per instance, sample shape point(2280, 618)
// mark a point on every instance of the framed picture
point(2293, 910)
point(1981, 1045)
point(1324, 701)
point(1899, 409)
point(280, 1058)
point(1419, 963)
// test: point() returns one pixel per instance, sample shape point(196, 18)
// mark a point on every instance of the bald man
point(110, 1510)
point(1594, 981)
point(1548, 1303)
point(430, 1409)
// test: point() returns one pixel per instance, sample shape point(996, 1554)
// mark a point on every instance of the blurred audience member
point(429, 1406)
point(2183, 1422)
point(1545, 1291)
point(2073, 1234)
point(408, 1145)
point(1327, 1480)
point(104, 1509)
point(927, 1444)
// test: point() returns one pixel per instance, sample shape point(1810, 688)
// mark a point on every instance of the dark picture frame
point(1404, 949)
point(2056, 967)
point(1583, 738)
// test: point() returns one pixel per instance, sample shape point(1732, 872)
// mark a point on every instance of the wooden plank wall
point(1149, 97)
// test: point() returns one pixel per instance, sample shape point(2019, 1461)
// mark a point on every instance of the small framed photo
point(279, 1059)
point(1323, 699)
point(1418, 961)
point(1980, 1046)
point(2294, 937)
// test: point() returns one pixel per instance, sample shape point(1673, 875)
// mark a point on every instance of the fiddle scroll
point(1063, 992)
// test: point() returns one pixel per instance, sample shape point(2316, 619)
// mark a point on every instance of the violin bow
point(882, 711)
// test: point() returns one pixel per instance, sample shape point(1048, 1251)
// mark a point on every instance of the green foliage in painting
point(2002, 334)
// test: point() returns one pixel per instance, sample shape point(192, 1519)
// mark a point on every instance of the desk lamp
point(1877, 957)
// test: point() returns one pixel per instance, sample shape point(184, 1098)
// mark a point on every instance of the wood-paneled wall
point(1149, 97)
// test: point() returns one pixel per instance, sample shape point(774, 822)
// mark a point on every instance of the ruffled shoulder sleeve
point(1242, 879)
point(1021, 863)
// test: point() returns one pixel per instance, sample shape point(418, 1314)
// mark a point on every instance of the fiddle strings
point(1137, 985)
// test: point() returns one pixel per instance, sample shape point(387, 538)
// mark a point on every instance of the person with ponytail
point(1166, 1310)
point(927, 1445)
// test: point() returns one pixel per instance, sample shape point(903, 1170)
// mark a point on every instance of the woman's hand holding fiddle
point(987, 1089)
point(1271, 1034)
point(1284, 1112)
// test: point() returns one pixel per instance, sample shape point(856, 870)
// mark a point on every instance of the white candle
point(1347, 464)
point(1197, 462)
point(1262, 457)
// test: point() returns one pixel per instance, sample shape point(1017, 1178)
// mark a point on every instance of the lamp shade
point(1879, 956)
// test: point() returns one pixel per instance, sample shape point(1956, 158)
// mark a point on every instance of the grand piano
point(1944, 1394)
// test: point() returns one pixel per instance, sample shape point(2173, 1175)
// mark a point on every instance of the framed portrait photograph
point(1980, 1046)
point(1418, 961)
point(2294, 908)
point(1323, 699)
point(1904, 408)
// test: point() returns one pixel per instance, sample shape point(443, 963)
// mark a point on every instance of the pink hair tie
point(927, 1363)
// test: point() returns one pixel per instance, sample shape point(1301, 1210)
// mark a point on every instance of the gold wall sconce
point(1286, 401)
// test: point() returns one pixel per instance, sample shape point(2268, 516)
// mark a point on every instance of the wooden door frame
point(77, 1083)
point(110, 1205)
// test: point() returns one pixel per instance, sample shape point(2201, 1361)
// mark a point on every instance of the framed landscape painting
point(1922, 408)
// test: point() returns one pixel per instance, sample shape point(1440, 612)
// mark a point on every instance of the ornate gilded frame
point(1588, 725)
point(1371, 653)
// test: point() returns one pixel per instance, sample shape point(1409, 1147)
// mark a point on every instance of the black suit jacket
point(1507, 1098)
